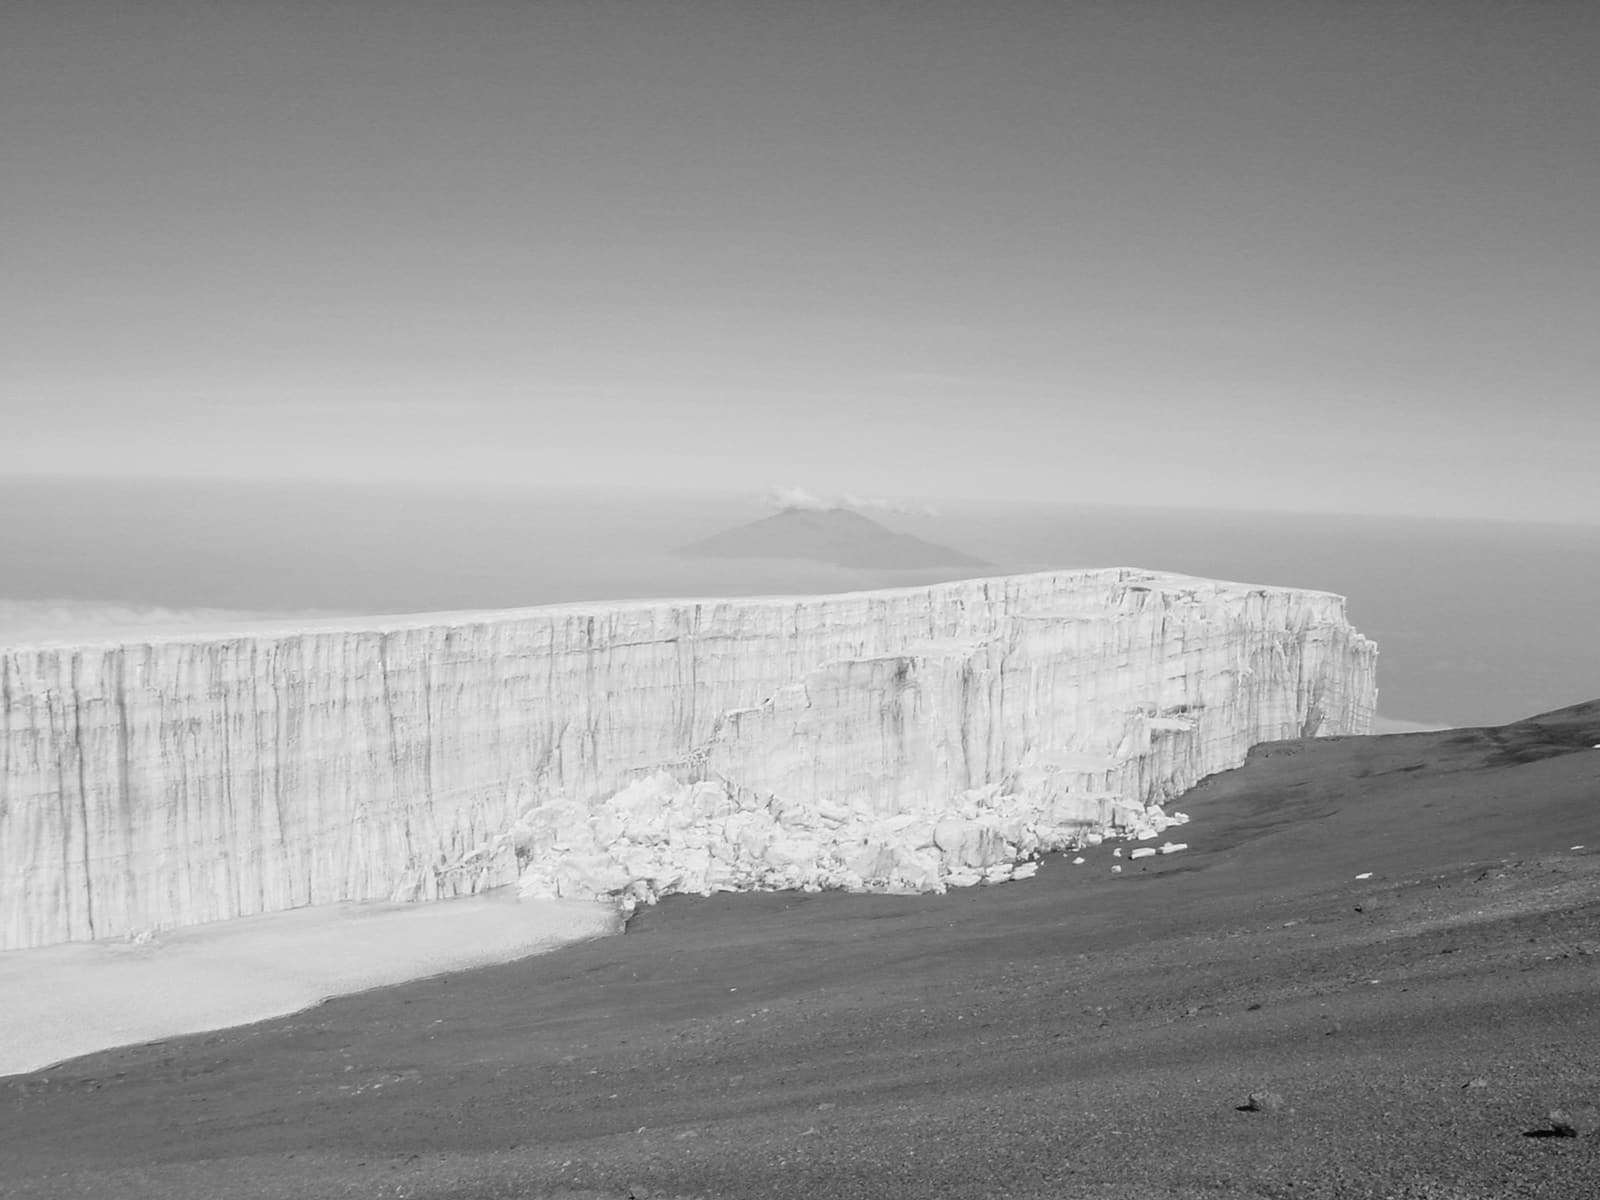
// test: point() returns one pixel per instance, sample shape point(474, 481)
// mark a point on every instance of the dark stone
point(1263, 1102)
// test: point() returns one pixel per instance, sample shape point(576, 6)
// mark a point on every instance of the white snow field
point(57, 1002)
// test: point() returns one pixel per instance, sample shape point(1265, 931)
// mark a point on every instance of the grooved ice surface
point(912, 738)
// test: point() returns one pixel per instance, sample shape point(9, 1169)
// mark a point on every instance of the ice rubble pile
point(910, 738)
point(658, 836)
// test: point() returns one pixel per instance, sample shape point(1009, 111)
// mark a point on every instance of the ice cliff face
point(912, 738)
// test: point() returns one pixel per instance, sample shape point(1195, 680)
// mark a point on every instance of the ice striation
point(916, 738)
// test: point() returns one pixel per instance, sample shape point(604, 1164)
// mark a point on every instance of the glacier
point(906, 739)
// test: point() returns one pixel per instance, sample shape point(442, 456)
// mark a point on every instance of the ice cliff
point(912, 738)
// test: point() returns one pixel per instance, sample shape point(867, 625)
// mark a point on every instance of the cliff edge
point(906, 739)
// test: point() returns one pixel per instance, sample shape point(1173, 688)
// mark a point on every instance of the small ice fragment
point(1117, 853)
point(1577, 847)
point(1365, 875)
point(1143, 852)
point(1079, 861)
point(1173, 847)
point(1116, 870)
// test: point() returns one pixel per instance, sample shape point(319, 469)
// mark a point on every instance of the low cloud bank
point(24, 621)
point(804, 498)
point(1383, 725)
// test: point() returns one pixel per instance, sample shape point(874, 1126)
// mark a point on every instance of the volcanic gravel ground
point(1080, 1034)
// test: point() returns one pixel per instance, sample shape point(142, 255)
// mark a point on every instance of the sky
point(1289, 256)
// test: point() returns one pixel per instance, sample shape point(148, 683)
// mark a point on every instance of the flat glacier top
point(227, 626)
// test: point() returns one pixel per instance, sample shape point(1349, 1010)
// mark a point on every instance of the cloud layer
point(794, 496)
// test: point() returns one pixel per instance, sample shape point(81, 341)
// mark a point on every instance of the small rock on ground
point(1264, 1102)
point(1577, 1121)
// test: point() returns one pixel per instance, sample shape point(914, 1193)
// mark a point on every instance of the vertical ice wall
point(638, 747)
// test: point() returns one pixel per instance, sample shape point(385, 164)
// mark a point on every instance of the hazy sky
point(1337, 256)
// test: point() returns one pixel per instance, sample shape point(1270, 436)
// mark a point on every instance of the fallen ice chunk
point(1143, 852)
point(1173, 847)
point(1079, 861)
point(1116, 870)
point(1365, 875)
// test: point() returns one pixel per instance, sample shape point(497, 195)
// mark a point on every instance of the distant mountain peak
point(840, 536)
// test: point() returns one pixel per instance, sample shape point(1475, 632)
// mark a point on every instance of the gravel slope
point(1080, 1034)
